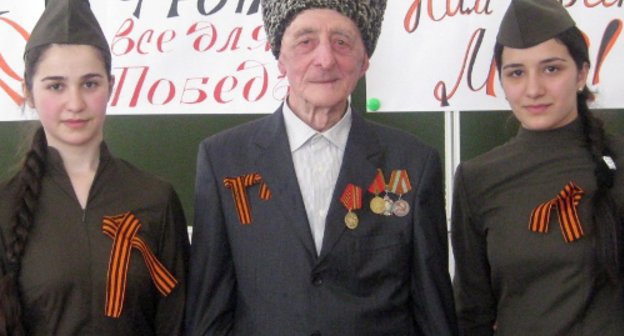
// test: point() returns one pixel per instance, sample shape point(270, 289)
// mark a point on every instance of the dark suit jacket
point(389, 276)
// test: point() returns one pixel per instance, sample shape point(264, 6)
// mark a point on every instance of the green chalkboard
point(166, 145)
point(482, 131)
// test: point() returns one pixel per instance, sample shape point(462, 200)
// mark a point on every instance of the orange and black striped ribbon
point(239, 186)
point(123, 230)
point(566, 202)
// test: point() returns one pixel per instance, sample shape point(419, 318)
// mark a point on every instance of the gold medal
point(351, 220)
point(352, 200)
point(377, 205)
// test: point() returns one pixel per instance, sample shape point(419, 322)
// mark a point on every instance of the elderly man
point(314, 221)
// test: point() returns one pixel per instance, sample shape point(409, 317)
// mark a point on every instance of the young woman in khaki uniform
point(537, 222)
point(91, 245)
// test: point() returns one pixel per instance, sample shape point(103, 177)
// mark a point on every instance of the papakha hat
point(67, 22)
point(530, 22)
point(366, 14)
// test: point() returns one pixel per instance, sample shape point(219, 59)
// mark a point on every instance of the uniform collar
point(567, 133)
point(299, 132)
point(54, 161)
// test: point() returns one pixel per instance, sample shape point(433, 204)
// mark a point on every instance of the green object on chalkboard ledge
point(373, 104)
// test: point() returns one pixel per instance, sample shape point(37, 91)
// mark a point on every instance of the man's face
point(323, 57)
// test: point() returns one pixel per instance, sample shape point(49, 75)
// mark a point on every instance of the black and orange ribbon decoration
point(123, 230)
point(566, 202)
point(239, 186)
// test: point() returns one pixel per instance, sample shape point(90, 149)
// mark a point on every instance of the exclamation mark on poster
point(610, 37)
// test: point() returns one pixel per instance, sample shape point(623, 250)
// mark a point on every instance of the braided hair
point(608, 216)
point(28, 190)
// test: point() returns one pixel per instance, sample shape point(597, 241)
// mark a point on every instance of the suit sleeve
point(476, 305)
point(174, 254)
point(433, 308)
point(3, 262)
point(211, 295)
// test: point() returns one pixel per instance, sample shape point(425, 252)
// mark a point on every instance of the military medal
point(377, 204)
point(400, 208)
point(388, 204)
point(351, 220)
point(352, 200)
point(400, 184)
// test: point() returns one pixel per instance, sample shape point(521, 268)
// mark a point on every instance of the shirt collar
point(299, 132)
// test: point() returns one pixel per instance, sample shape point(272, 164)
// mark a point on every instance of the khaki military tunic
point(530, 283)
point(64, 270)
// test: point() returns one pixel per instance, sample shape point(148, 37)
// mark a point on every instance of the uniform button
point(316, 333)
point(317, 280)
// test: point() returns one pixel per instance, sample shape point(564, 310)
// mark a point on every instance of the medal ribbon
point(566, 202)
point(239, 186)
point(123, 230)
point(352, 197)
point(378, 185)
point(399, 182)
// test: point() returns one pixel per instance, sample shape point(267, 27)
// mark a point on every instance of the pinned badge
point(377, 204)
point(352, 200)
point(400, 184)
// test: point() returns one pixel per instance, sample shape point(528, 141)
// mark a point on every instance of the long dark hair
point(606, 212)
point(28, 181)
point(28, 189)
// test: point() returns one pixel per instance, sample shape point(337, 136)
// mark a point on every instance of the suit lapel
point(275, 164)
point(363, 155)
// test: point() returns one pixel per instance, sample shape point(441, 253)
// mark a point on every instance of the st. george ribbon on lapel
point(239, 186)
